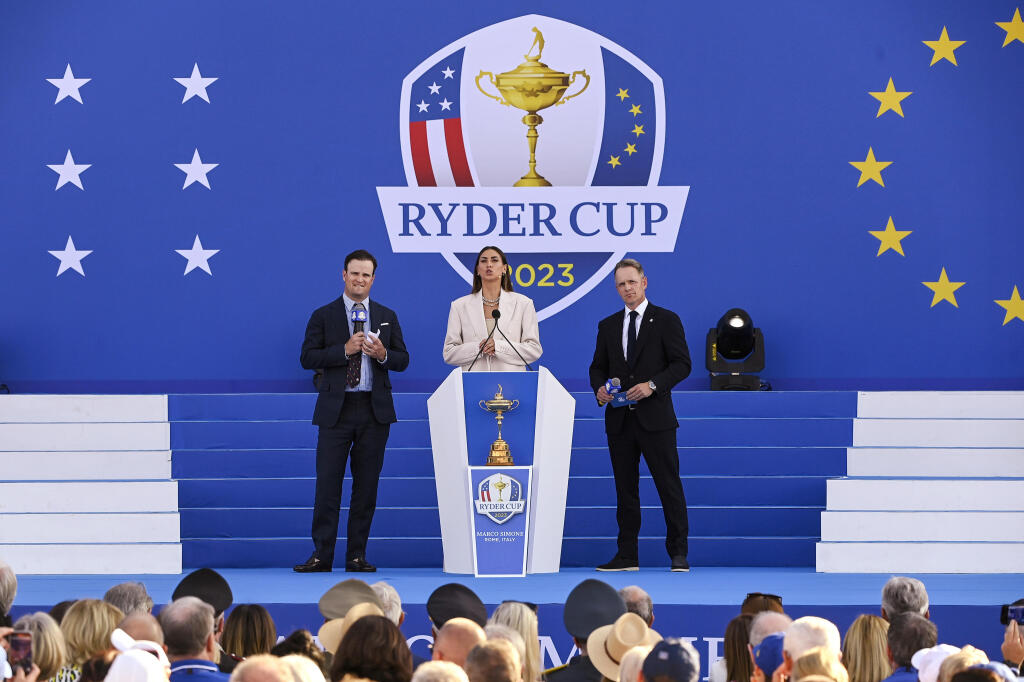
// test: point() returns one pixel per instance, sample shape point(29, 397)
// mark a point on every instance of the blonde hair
point(48, 648)
point(865, 649)
point(820, 660)
point(523, 620)
point(633, 663)
point(962, 660)
point(87, 626)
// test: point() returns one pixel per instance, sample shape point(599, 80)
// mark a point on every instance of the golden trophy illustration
point(533, 86)
point(500, 487)
point(500, 454)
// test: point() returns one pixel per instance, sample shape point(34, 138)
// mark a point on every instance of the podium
point(499, 521)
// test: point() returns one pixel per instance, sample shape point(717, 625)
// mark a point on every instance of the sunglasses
point(529, 605)
point(762, 595)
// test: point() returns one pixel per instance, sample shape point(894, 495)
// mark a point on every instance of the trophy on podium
point(533, 86)
point(500, 454)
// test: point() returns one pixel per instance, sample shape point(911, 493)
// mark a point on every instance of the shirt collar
point(642, 308)
point(194, 663)
point(349, 303)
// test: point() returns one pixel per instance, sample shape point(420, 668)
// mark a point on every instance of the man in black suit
point(354, 409)
point(645, 348)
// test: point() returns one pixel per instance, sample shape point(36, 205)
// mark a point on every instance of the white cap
point(928, 661)
point(124, 642)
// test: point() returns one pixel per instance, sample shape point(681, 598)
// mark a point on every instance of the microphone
point(359, 319)
point(613, 386)
point(497, 314)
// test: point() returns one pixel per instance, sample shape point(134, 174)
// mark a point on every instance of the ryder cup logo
point(499, 498)
point(543, 138)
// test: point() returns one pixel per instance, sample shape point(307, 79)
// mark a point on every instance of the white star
point(434, 88)
point(68, 86)
point(423, 105)
point(197, 256)
point(69, 171)
point(195, 85)
point(196, 171)
point(70, 258)
point(446, 105)
point(448, 72)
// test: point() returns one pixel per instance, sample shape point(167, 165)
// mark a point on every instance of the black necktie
point(631, 337)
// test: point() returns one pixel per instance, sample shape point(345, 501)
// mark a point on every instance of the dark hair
point(373, 648)
point(976, 674)
point(60, 608)
point(300, 643)
point(506, 279)
point(756, 602)
point(909, 633)
point(96, 668)
point(738, 666)
point(249, 630)
point(361, 254)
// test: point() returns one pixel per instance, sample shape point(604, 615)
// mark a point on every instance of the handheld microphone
point(359, 319)
point(496, 314)
point(613, 386)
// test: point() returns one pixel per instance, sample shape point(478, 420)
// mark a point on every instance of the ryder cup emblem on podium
point(499, 498)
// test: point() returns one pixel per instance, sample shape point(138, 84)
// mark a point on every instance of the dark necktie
point(631, 337)
point(355, 362)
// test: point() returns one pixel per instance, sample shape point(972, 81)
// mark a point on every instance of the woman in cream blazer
point(470, 321)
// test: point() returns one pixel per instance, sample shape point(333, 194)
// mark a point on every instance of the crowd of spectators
point(118, 639)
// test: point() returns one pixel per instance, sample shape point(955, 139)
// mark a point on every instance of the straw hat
point(332, 632)
point(608, 644)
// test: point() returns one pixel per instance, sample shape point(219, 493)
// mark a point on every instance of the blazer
point(467, 328)
point(324, 349)
point(661, 356)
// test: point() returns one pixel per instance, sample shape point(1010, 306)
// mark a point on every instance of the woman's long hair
point(865, 649)
point(248, 631)
point(373, 648)
point(506, 278)
point(523, 620)
point(738, 667)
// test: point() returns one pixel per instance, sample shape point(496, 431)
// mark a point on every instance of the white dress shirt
point(641, 309)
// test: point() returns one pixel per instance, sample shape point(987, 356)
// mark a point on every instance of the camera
point(1012, 612)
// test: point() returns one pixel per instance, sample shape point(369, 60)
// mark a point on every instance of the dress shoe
point(313, 565)
point(359, 565)
point(619, 564)
point(680, 564)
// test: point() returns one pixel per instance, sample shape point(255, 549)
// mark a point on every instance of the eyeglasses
point(762, 595)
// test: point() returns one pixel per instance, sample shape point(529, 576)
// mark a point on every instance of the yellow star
point(635, 109)
point(889, 238)
point(630, 148)
point(1014, 307)
point(623, 95)
point(870, 169)
point(943, 289)
point(1014, 30)
point(943, 48)
point(615, 162)
point(890, 99)
point(638, 130)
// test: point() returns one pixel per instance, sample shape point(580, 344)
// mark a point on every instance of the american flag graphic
point(435, 126)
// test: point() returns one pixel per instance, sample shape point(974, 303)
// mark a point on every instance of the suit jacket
point(661, 356)
point(467, 328)
point(324, 349)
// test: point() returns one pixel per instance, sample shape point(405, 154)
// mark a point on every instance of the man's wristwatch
point(651, 384)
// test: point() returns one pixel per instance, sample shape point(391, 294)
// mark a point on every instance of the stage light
point(734, 352)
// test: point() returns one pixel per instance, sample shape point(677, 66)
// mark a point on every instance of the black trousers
point(360, 439)
point(660, 452)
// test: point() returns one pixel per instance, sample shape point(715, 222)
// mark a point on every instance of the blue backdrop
point(765, 107)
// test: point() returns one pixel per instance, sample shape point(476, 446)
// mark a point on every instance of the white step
point(941, 404)
point(85, 436)
point(82, 408)
point(87, 528)
point(940, 433)
point(66, 466)
point(926, 462)
point(89, 496)
point(917, 557)
point(906, 526)
point(866, 494)
point(92, 559)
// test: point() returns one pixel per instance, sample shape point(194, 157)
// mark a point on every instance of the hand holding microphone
point(358, 339)
point(606, 393)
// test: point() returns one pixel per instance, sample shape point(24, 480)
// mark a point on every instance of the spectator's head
point(455, 639)
point(373, 648)
point(638, 602)
point(249, 630)
point(209, 586)
point(609, 643)
point(390, 602)
point(87, 626)
point(303, 668)
point(498, 631)
point(672, 660)
point(590, 605)
point(300, 643)
point(96, 668)
point(8, 588)
point(756, 602)
point(738, 665)
point(130, 598)
point(333, 631)
point(521, 618)
point(904, 595)
point(143, 626)
point(767, 655)
point(766, 623)
point(48, 649)
point(136, 666)
point(337, 601)
point(61, 608)
point(439, 671)
point(632, 664)
point(909, 632)
point(493, 661)
point(805, 634)
point(188, 624)
point(961, 660)
point(928, 661)
point(819, 660)
point(122, 641)
point(865, 649)
point(1000, 669)
point(262, 668)
point(454, 600)
point(976, 674)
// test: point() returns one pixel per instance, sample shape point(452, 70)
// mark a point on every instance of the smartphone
point(1012, 612)
point(20, 653)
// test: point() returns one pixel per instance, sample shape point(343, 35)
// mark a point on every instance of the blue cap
point(768, 654)
point(673, 658)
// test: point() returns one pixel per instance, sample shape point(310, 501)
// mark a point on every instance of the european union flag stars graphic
point(627, 144)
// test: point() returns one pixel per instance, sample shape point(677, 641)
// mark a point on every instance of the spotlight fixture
point(735, 351)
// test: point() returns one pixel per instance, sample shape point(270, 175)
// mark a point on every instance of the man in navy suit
point(643, 346)
point(354, 409)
